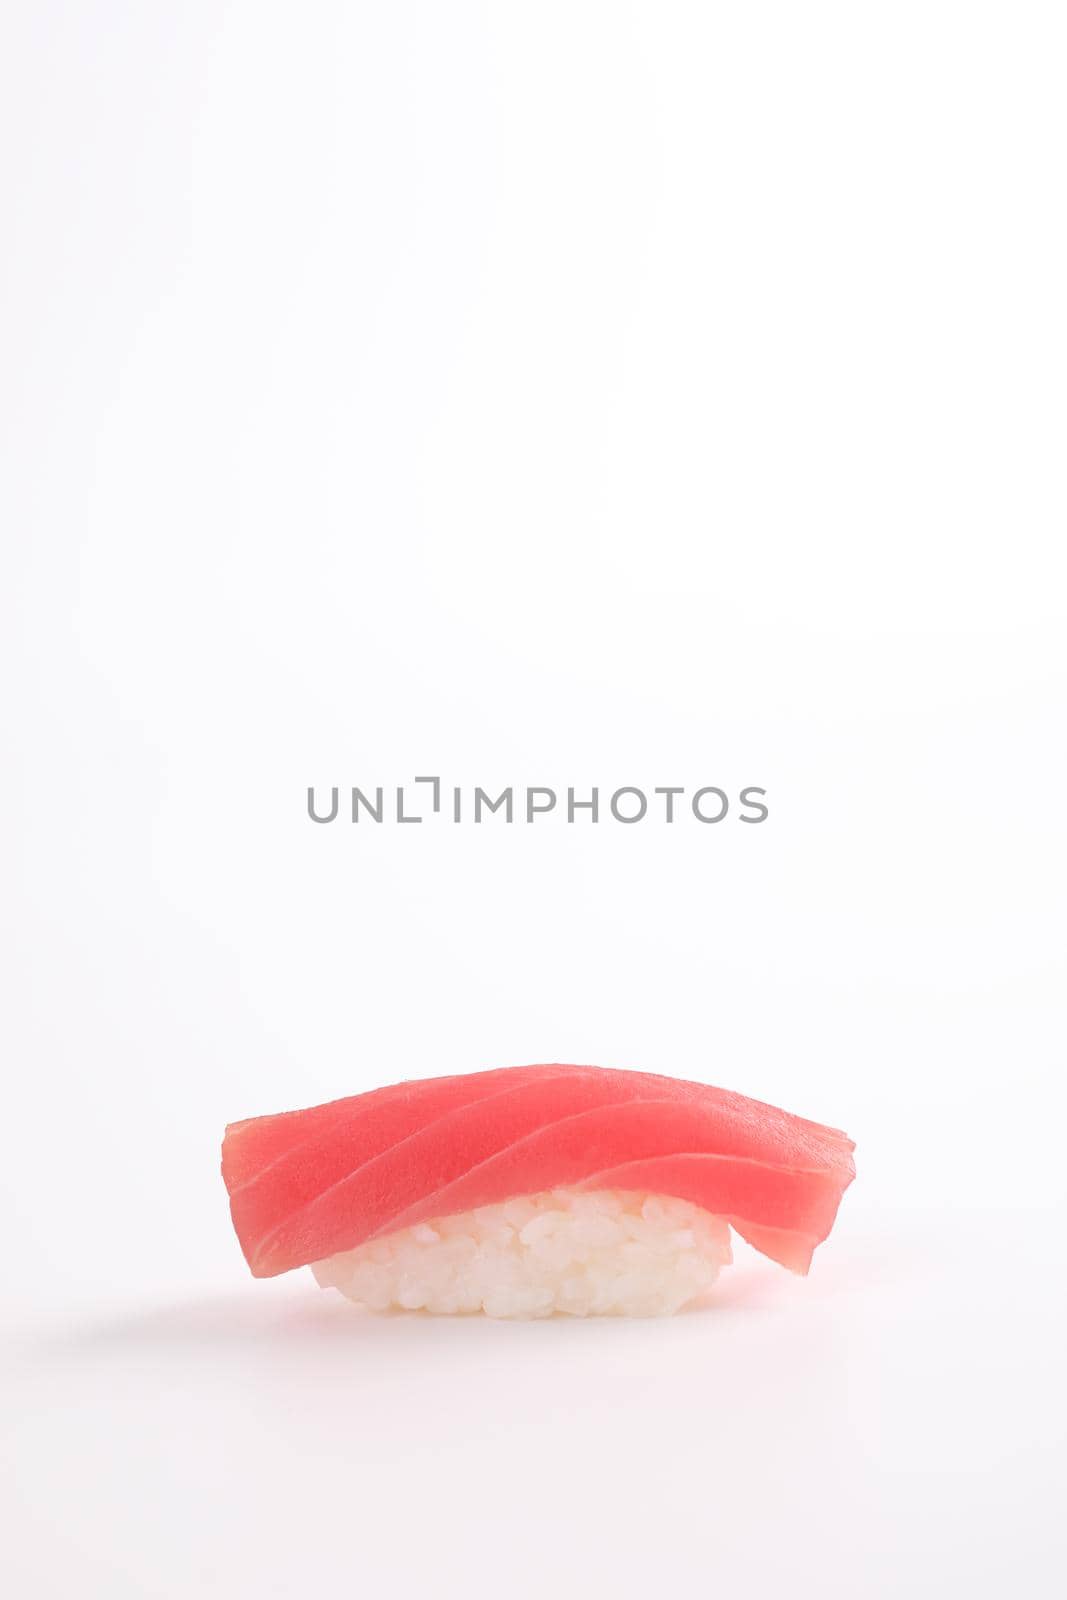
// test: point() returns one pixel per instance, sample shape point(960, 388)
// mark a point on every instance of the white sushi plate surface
point(569, 395)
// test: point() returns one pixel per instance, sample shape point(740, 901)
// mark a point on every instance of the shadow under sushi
point(244, 1322)
point(292, 1317)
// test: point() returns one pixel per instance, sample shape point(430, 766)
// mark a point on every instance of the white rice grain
point(607, 1252)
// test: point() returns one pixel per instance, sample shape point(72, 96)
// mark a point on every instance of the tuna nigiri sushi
point(530, 1190)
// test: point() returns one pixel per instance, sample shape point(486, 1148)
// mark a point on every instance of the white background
point(556, 393)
